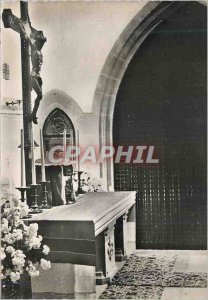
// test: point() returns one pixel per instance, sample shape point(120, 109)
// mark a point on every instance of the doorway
point(161, 101)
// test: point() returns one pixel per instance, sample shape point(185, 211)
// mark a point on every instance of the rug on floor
point(146, 277)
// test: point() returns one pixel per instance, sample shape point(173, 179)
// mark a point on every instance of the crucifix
point(32, 42)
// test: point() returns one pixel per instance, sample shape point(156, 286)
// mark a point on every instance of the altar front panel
point(70, 241)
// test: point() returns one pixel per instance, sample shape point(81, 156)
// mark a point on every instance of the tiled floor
point(185, 294)
point(187, 261)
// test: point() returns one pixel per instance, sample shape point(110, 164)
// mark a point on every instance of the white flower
point(15, 276)
point(46, 249)
point(24, 209)
point(17, 234)
point(32, 230)
point(19, 253)
point(34, 227)
point(34, 273)
point(18, 261)
point(45, 264)
point(3, 255)
point(8, 238)
point(7, 210)
point(10, 249)
point(32, 270)
point(19, 269)
point(36, 242)
point(18, 258)
point(5, 225)
point(2, 275)
point(15, 202)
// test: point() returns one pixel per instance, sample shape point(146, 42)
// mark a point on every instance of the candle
point(78, 162)
point(64, 144)
point(42, 157)
point(23, 184)
point(33, 159)
point(72, 144)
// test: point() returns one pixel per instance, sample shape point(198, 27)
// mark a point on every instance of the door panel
point(162, 102)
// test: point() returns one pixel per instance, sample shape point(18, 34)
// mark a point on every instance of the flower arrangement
point(88, 184)
point(22, 250)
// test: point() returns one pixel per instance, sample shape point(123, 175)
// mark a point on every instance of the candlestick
point(22, 190)
point(69, 191)
point(79, 190)
point(33, 159)
point(34, 197)
point(23, 182)
point(78, 162)
point(23, 198)
point(42, 157)
point(45, 204)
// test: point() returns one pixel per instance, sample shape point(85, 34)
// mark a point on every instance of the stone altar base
point(65, 280)
point(88, 241)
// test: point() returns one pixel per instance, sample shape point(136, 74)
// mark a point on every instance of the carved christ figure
point(36, 41)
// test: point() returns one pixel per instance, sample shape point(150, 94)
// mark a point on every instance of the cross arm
point(13, 22)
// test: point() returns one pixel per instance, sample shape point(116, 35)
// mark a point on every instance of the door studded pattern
point(161, 101)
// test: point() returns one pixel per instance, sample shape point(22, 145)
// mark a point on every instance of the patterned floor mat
point(146, 278)
point(131, 292)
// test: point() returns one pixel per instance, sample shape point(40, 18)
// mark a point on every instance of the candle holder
point(22, 190)
point(44, 204)
point(69, 190)
point(79, 190)
point(34, 208)
point(23, 198)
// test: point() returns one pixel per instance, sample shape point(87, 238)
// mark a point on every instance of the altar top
point(97, 207)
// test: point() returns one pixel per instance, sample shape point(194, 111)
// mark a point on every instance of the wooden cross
point(32, 42)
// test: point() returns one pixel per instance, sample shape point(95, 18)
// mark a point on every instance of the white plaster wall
point(80, 36)
point(10, 158)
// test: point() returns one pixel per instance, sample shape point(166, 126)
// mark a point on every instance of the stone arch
point(57, 99)
point(151, 15)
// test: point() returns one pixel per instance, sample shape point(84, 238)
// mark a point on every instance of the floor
point(187, 261)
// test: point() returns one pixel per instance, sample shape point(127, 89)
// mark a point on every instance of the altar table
point(86, 240)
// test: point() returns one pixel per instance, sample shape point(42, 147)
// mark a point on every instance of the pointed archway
point(161, 101)
point(106, 96)
point(130, 40)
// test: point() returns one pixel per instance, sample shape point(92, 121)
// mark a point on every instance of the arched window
point(54, 127)
point(53, 130)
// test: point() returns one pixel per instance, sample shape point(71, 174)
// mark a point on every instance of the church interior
point(81, 81)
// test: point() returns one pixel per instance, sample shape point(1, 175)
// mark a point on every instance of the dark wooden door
point(162, 101)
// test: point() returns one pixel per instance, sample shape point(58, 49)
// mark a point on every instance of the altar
point(88, 242)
